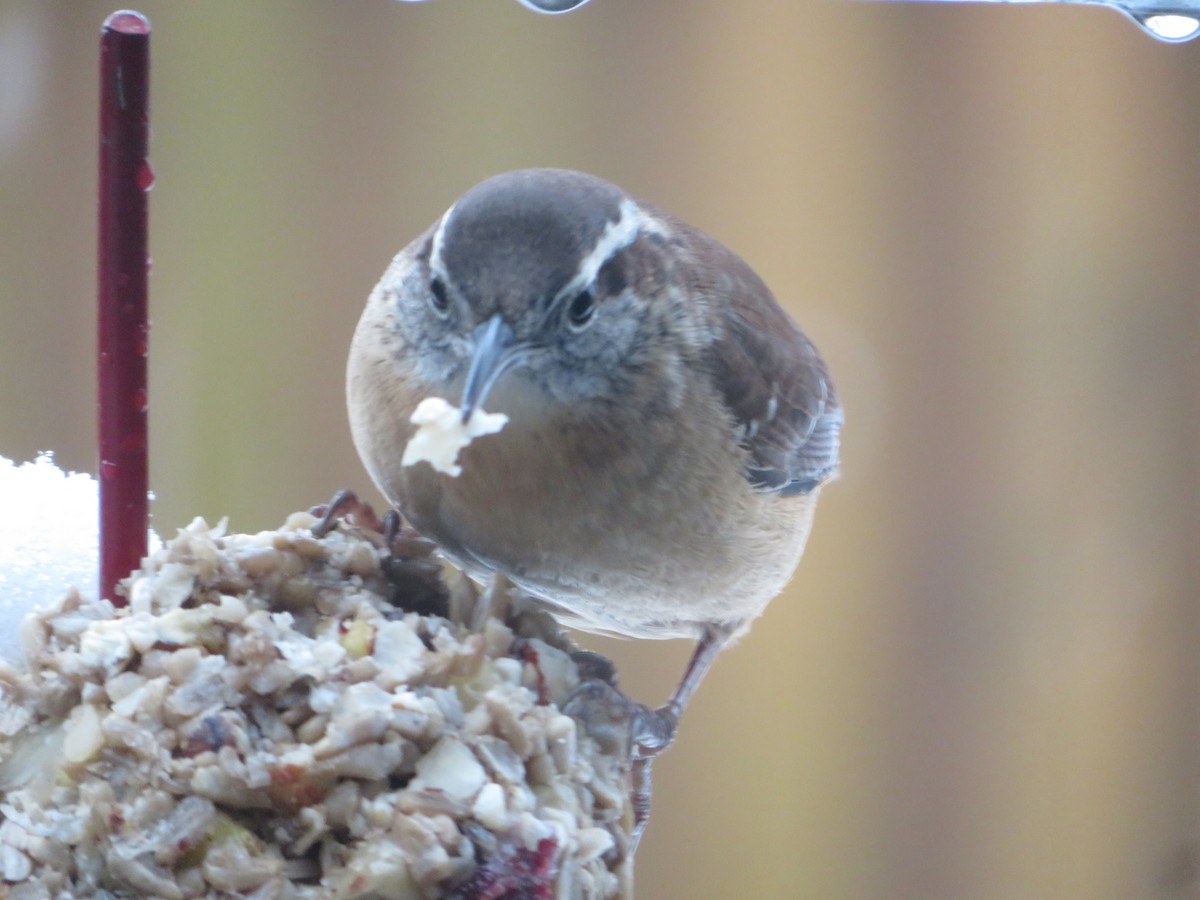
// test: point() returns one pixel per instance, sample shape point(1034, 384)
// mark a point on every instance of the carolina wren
point(669, 425)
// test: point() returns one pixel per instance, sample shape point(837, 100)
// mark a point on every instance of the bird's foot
point(654, 730)
point(607, 715)
point(410, 566)
point(344, 505)
point(618, 725)
point(612, 719)
point(402, 540)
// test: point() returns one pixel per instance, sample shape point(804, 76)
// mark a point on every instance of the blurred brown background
point(983, 681)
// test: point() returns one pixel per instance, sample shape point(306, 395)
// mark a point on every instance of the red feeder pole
point(125, 176)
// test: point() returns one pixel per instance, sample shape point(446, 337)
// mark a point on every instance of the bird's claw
point(344, 505)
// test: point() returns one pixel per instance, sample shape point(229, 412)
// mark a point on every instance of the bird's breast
point(629, 524)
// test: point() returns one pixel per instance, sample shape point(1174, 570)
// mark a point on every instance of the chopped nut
point(489, 809)
point(450, 767)
point(83, 738)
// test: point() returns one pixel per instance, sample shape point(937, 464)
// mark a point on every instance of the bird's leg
point(655, 729)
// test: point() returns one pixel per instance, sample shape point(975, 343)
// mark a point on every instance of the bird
point(669, 427)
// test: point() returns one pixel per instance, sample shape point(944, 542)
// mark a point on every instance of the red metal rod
point(125, 176)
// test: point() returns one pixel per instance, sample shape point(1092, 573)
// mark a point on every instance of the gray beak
point(495, 352)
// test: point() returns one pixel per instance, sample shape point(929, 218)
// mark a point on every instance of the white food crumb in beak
point(442, 433)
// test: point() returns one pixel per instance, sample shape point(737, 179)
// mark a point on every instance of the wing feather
point(774, 384)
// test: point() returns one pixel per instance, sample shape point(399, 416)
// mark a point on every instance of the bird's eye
point(437, 295)
point(581, 309)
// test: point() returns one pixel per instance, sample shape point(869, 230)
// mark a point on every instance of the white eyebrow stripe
point(435, 250)
point(616, 237)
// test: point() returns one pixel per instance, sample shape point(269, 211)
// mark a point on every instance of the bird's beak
point(495, 351)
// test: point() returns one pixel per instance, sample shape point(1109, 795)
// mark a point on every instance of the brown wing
point(775, 385)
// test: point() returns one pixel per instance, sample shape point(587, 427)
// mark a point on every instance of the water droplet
point(552, 6)
point(108, 470)
point(144, 177)
point(149, 265)
point(126, 21)
point(1171, 27)
point(104, 357)
point(140, 401)
point(134, 443)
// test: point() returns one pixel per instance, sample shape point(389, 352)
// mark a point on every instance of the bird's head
point(539, 286)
